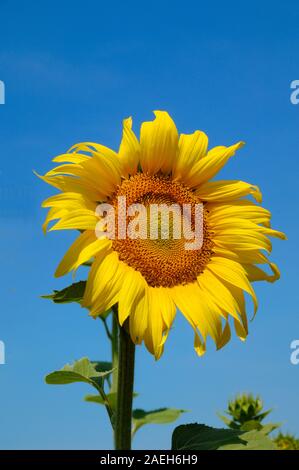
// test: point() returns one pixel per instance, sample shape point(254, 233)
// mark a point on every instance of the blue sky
point(73, 70)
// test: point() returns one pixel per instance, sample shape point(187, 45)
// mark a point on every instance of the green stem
point(106, 404)
point(114, 350)
point(123, 420)
point(107, 329)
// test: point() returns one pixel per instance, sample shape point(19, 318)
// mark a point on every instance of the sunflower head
point(245, 408)
point(179, 241)
point(286, 441)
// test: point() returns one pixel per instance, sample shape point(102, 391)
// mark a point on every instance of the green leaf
point(202, 437)
point(83, 371)
point(102, 366)
point(80, 371)
point(268, 428)
point(226, 420)
point(72, 293)
point(264, 428)
point(262, 416)
point(160, 416)
point(253, 440)
point(111, 398)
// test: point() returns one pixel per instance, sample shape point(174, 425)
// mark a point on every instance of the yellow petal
point(243, 209)
point(225, 337)
point(89, 174)
point(223, 191)
point(129, 150)
point(233, 224)
point(66, 169)
point(168, 308)
point(233, 273)
point(154, 333)
point(93, 148)
point(71, 184)
point(138, 319)
point(257, 274)
point(85, 247)
point(208, 166)
point(213, 317)
point(245, 256)
point(69, 201)
point(102, 171)
point(64, 204)
point(240, 330)
point(159, 143)
point(192, 147)
point(242, 240)
point(189, 303)
point(215, 289)
point(110, 296)
point(104, 283)
point(229, 300)
point(131, 292)
point(94, 280)
point(70, 158)
point(81, 219)
point(273, 233)
point(239, 297)
point(53, 214)
point(160, 319)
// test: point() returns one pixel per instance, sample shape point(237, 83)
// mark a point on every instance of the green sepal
point(159, 416)
point(72, 293)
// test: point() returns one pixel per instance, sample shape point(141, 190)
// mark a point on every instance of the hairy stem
point(123, 420)
point(114, 350)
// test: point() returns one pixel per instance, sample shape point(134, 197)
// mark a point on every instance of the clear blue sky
point(73, 70)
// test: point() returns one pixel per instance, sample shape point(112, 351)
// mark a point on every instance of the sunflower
point(150, 279)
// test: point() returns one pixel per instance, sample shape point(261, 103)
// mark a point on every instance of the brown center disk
point(162, 262)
